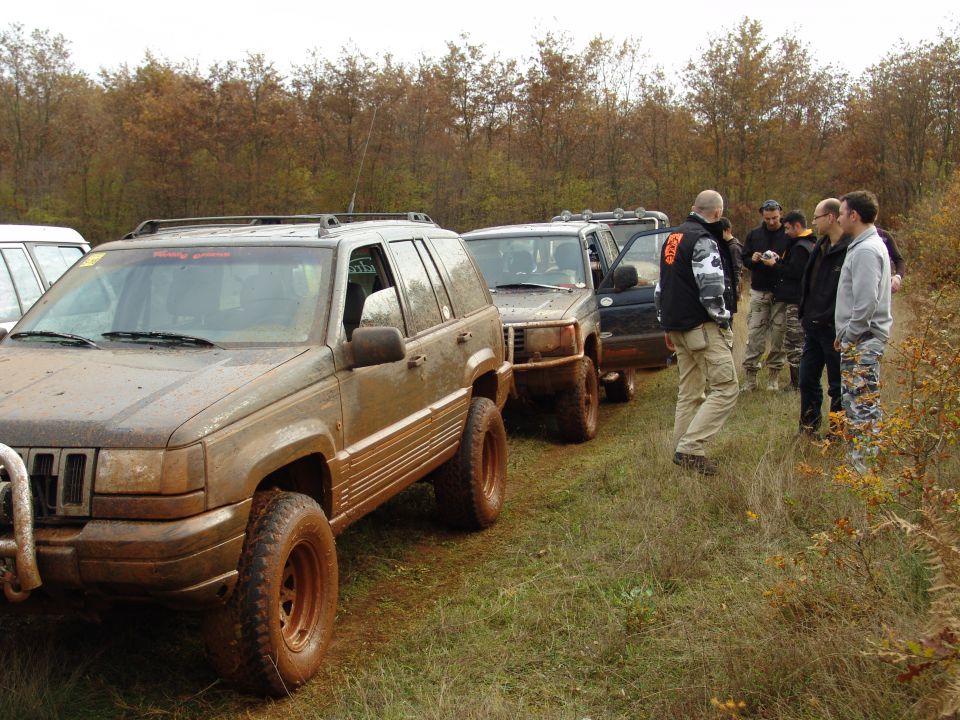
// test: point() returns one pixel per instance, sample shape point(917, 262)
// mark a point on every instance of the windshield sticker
point(91, 259)
point(181, 255)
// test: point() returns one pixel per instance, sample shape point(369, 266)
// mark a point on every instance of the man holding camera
point(767, 316)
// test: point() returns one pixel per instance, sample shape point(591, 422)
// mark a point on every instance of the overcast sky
point(107, 33)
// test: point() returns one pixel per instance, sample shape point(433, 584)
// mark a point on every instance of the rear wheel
point(578, 409)
point(271, 636)
point(623, 388)
point(470, 487)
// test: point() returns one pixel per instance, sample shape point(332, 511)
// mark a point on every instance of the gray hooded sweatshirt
point(863, 296)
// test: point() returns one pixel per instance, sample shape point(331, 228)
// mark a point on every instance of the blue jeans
point(818, 353)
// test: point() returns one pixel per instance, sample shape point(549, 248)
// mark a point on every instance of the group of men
point(821, 300)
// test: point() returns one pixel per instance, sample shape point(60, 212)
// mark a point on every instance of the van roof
point(40, 233)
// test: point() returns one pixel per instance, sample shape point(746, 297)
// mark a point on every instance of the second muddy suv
point(195, 412)
point(569, 312)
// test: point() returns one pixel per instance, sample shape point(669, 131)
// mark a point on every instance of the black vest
point(680, 306)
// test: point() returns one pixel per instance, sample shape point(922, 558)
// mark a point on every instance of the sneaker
point(773, 384)
point(697, 463)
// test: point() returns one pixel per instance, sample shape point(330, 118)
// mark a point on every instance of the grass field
point(613, 586)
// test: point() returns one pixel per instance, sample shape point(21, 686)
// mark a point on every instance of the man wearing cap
point(863, 321)
point(693, 299)
point(767, 316)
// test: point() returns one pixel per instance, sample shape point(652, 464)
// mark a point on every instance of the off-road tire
point(578, 409)
point(623, 388)
point(272, 634)
point(470, 487)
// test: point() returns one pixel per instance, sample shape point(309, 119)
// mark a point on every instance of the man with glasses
point(863, 321)
point(818, 298)
point(767, 316)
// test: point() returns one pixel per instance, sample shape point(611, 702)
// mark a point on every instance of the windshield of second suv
point(223, 295)
point(556, 261)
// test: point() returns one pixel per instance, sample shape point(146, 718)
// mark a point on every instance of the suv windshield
point(224, 295)
point(530, 259)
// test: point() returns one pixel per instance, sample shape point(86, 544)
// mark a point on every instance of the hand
point(770, 261)
point(670, 346)
point(756, 257)
point(836, 345)
point(895, 282)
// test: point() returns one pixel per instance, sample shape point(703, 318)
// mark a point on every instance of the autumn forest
point(471, 138)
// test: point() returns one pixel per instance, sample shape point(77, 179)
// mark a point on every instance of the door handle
point(464, 336)
point(416, 361)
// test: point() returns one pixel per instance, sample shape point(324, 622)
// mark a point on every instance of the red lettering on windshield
point(198, 256)
point(170, 254)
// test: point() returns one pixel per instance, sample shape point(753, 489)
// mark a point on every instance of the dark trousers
point(818, 352)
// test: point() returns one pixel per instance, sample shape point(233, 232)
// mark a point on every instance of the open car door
point(631, 334)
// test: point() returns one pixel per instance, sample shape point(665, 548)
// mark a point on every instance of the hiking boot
point(773, 383)
point(794, 380)
point(749, 382)
point(697, 463)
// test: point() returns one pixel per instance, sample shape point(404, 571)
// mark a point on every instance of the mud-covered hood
point(74, 397)
point(527, 306)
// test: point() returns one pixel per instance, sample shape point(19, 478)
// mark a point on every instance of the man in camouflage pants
point(863, 321)
point(767, 317)
point(695, 301)
point(786, 290)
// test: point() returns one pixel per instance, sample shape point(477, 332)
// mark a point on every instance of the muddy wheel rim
point(299, 601)
point(491, 464)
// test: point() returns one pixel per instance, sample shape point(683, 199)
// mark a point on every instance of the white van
point(32, 257)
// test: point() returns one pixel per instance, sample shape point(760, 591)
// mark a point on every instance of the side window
point(610, 248)
point(443, 298)
point(9, 305)
point(470, 288)
point(371, 299)
point(55, 259)
point(644, 255)
point(413, 276)
point(23, 278)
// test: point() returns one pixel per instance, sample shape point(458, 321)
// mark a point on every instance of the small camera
point(769, 255)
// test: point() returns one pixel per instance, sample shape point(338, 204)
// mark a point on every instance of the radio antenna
point(362, 157)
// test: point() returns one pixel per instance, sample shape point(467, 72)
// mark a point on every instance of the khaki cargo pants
point(766, 318)
point(708, 385)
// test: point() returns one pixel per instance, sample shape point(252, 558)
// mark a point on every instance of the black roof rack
point(411, 216)
point(326, 220)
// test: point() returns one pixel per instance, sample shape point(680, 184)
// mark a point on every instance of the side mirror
point(376, 346)
point(625, 277)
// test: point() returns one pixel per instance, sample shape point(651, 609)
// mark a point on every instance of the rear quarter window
point(469, 288)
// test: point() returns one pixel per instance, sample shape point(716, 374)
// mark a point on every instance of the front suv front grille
point(519, 346)
point(61, 481)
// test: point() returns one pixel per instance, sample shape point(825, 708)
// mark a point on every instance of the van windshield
point(226, 295)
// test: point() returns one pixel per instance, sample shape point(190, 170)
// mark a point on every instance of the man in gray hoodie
point(863, 320)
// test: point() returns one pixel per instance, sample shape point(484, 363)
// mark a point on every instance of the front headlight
point(149, 472)
point(557, 340)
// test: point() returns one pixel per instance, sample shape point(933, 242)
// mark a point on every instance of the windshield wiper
point(533, 284)
point(158, 335)
point(65, 338)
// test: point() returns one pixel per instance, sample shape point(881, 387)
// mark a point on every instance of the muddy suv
point(556, 285)
point(197, 411)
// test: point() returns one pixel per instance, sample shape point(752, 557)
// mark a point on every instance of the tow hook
point(21, 547)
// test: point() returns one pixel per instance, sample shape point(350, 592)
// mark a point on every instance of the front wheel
point(578, 409)
point(271, 636)
point(470, 487)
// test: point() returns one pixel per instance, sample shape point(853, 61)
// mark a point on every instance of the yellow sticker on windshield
point(91, 259)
